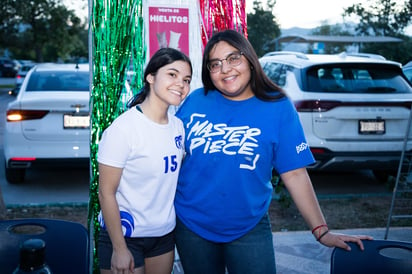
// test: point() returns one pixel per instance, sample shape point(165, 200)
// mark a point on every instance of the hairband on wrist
point(323, 234)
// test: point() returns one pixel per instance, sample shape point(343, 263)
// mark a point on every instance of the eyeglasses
point(233, 60)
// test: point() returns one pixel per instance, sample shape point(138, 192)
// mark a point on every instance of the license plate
point(76, 121)
point(372, 126)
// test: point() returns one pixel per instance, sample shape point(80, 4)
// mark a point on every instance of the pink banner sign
point(168, 27)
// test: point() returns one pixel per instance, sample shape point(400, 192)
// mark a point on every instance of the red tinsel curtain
point(217, 15)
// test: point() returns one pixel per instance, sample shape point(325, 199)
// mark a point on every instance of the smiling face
point(171, 83)
point(233, 81)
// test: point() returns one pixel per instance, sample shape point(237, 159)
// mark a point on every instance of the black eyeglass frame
point(219, 68)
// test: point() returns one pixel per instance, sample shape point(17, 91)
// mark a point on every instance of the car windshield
point(59, 81)
point(408, 73)
point(26, 68)
point(356, 79)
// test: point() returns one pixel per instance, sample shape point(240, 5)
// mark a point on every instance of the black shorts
point(140, 248)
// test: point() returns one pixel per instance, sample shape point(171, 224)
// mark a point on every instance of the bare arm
point(300, 188)
point(109, 179)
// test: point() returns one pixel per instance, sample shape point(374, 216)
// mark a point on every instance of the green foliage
point(43, 30)
point(384, 18)
point(262, 27)
point(381, 17)
point(399, 52)
point(284, 198)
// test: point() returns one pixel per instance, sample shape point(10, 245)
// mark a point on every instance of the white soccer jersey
point(150, 155)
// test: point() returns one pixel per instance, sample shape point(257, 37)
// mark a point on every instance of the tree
point(384, 18)
point(262, 27)
point(381, 17)
point(44, 29)
point(8, 23)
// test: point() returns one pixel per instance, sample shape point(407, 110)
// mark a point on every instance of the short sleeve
point(114, 147)
point(292, 151)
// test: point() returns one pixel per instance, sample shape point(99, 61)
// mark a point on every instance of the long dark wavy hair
point(161, 58)
point(261, 85)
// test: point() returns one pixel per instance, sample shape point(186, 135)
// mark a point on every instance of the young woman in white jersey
point(139, 157)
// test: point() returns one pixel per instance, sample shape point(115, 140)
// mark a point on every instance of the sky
point(310, 14)
point(307, 14)
point(289, 13)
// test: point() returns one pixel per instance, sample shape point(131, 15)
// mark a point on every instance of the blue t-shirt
point(224, 186)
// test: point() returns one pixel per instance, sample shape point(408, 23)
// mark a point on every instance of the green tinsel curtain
point(117, 44)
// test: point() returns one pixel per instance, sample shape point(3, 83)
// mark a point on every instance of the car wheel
point(15, 175)
point(382, 176)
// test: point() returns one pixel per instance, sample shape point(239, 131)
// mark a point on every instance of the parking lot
point(71, 185)
point(44, 185)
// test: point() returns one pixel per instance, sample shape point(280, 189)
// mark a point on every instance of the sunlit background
point(289, 13)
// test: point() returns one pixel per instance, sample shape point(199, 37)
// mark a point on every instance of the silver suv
point(354, 109)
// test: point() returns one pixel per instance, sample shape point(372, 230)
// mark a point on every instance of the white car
point(407, 70)
point(354, 109)
point(48, 123)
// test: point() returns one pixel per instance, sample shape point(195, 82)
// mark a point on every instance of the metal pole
point(395, 189)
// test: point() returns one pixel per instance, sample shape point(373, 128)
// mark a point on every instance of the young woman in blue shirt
point(239, 127)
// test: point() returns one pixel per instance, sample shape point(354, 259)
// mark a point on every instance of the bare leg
point(139, 270)
point(162, 264)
